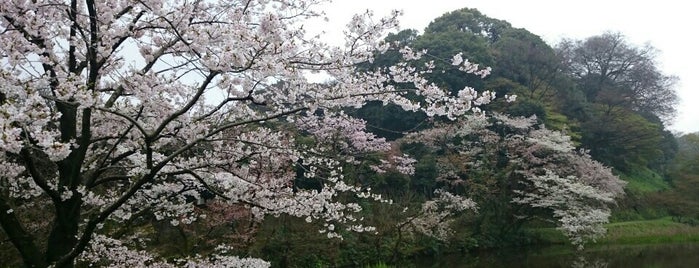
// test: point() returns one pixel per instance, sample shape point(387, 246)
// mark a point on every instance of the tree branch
point(189, 105)
point(92, 179)
point(37, 177)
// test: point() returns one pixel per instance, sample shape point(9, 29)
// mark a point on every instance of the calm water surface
point(656, 255)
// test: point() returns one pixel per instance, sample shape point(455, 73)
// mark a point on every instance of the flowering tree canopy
point(110, 110)
point(540, 168)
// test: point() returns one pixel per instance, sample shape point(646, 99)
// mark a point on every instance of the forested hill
point(605, 92)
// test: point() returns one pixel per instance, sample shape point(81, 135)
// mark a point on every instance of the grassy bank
point(644, 180)
point(663, 230)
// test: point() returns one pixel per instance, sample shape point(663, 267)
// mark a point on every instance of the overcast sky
point(667, 25)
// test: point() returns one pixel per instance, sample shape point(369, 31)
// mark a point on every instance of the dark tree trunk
point(63, 236)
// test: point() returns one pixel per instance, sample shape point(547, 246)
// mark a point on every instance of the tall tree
point(626, 99)
point(526, 59)
point(469, 20)
point(609, 70)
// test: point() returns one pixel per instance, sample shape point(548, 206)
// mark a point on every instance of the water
point(655, 255)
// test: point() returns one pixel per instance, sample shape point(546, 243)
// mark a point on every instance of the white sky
point(667, 25)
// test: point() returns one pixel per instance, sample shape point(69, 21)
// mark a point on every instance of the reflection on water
point(583, 262)
point(656, 255)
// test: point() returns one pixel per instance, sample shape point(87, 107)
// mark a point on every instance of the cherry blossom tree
point(535, 167)
point(112, 110)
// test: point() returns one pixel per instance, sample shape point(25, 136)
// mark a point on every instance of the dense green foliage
point(682, 200)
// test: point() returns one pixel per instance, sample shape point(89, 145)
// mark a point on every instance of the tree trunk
point(63, 236)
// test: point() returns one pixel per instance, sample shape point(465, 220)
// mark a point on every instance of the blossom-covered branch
point(111, 110)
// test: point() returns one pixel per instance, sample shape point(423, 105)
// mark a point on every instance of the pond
point(654, 255)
